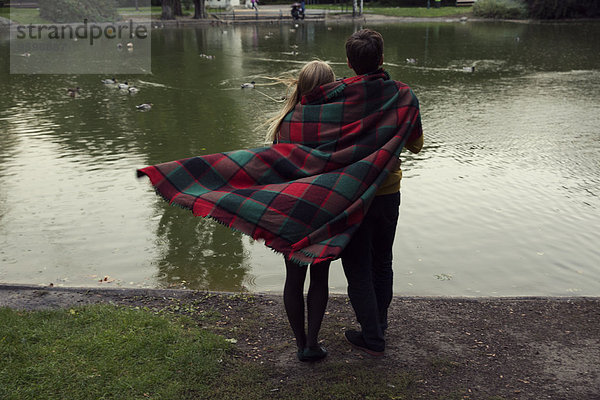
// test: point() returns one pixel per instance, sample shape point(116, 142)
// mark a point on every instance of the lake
point(502, 201)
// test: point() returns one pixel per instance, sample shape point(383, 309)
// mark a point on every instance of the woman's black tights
point(316, 300)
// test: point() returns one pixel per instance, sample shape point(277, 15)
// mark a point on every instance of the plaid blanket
point(306, 195)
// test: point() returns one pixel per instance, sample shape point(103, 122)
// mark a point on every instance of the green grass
point(154, 11)
point(23, 15)
point(27, 16)
point(141, 11)
point(416, 12)
point(102, 352)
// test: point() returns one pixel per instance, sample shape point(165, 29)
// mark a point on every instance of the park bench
point(464, 2)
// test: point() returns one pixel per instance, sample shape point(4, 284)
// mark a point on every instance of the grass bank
point(23, 15)
point(31, 16)
point(105, 351)
point(242, 347)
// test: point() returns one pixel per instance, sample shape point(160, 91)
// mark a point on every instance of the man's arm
point(415, 145)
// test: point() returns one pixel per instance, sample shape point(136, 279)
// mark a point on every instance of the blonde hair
point(311, 76)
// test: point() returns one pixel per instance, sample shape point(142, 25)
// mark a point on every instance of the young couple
point(367, 258)
point(327, 188)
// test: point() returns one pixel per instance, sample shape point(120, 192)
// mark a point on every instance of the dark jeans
point(367, 262)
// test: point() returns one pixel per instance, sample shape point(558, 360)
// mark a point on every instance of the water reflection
point(198, 253)
point(503, 200)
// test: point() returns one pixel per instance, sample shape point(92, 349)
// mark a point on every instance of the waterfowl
point(73, 91)
point(469, 69)
point(124, 86)
point(411, 61)
point(248, 85)
point(144, 107)
point(111, 81)
point(132, 89)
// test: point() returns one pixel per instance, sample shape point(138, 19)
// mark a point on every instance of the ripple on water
point(502, 199)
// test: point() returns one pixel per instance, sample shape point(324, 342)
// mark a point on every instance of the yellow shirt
point(392, 183)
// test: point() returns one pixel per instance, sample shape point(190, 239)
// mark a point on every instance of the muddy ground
point(500, 348)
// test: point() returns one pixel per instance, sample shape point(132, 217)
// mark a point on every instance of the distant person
point(367, 259)
point(311, 76)
point(254, 4)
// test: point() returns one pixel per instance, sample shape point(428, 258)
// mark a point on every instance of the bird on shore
point(144, 107)
point(248, 85)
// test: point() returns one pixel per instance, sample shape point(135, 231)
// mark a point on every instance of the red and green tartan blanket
point(306, 195)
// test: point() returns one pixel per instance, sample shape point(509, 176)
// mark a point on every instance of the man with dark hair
point(367, 259)
point(364, 51)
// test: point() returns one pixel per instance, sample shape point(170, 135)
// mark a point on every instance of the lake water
point(502, 201)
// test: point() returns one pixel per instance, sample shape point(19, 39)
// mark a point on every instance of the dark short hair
point(364, 50)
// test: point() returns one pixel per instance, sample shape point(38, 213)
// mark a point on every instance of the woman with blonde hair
point(311, 76)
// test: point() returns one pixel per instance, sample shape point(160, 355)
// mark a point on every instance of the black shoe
point(312, 354)
point(356, 339)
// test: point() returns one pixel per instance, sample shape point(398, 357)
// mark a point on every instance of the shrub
point(65, 11)
point(556, 9)
point(504, 9)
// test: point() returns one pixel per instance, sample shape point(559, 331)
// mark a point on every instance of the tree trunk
point(178, 10)
point(199, 10)
point(168, 9)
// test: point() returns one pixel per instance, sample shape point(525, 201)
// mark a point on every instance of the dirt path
point(500, 348)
